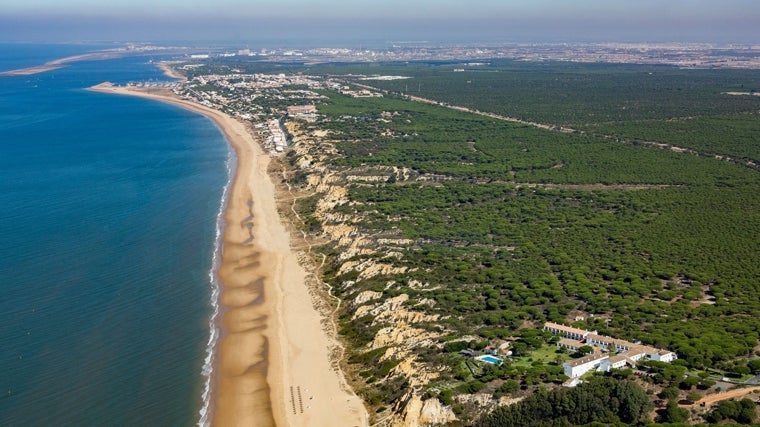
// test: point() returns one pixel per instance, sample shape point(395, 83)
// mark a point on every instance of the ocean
point(109, 210)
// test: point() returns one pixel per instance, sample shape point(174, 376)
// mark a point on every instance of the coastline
point(50, 66)
point(61, 62)
point(166, 67)
point(272, 364)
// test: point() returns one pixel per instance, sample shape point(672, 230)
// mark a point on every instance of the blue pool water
point(489, 359)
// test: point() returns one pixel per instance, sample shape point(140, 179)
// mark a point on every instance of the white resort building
point(615, 362)
point(577, 367)
point(568, 331)
point(608, 343)
point(627, 353)
point(663, 356)
point(569, 344)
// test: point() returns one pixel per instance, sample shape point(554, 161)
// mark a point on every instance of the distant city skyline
point(728, 21)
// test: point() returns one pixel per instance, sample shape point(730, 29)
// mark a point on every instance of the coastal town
point(686, 55)
point(262, 99)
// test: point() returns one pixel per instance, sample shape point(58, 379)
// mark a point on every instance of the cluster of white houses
point(277, 136)
point(626, 353)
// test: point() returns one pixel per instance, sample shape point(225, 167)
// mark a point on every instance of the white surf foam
point(208, 363)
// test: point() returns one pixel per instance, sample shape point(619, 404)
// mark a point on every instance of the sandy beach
point(170, 72)
point(50, 66)
point(61, 62)
point(272, 365)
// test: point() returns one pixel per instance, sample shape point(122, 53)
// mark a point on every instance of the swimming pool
point(489, 359)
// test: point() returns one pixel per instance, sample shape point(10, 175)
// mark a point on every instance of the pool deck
point(490, 359)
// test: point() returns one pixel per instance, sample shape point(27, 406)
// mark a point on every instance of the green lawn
point(545, 354)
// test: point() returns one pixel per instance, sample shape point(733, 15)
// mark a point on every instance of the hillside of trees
point(602, 401)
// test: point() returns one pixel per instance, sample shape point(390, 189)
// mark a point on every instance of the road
point(738, 392)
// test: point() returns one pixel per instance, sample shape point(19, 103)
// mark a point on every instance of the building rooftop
point(565, 328)
point(634, 349)
point(584, 360)
point(618, 358)
point(569, 342)
point(610, 340)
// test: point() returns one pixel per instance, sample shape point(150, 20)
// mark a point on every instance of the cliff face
point(400, 333)
point(419, 413)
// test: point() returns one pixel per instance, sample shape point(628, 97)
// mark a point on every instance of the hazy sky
point(389, 20)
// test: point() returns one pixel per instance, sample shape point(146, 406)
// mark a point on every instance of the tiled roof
point(569, 342)
point(610, 340)
point(618, 358)
point(584, 360)
point(635, 351)
point(564, 328)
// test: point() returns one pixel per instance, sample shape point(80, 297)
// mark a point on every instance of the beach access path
point(273, 362)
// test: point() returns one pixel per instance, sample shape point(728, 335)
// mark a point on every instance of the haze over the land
point(727, 21)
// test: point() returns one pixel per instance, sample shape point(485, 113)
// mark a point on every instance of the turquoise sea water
point(108, 210)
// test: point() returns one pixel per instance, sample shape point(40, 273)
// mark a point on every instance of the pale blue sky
point(520, 20)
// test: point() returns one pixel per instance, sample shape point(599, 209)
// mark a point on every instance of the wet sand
point(273, 365)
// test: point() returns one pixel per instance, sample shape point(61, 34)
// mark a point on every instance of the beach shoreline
point(166, 67)
point(272, 365)
point(62, 62)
